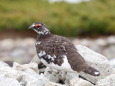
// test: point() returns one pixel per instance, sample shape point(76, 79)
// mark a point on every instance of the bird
point(58, 52)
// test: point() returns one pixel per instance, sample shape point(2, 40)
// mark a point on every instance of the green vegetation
point(95, 17)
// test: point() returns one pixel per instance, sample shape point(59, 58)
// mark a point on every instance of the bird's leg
point(41, 67)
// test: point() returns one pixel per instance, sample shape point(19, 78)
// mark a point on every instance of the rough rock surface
point(107, 81)
point(29, 74)
point(97, 61)
point(79, 82)
point(9, 82)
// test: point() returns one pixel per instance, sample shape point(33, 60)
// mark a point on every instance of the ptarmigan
point(58, 52)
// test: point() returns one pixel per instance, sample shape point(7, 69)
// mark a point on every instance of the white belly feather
point(65, 66)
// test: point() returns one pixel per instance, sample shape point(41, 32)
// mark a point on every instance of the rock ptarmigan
point(58, 52)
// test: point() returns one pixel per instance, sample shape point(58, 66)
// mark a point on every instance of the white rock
point(53, 84)
point(111, 40)
point(52, 75)
point(25, 42)
point(39, 81)
point(3, 64)
point(69, 77)
point(9, 72)
point(107, 81)
point(7, 44)
point(27, 67)
point(9, 82)
point(112, 62)
point(85, 42)
point(29, 41)
point(30, 74)
point(79, 82)
point(109, 51)
point(101, 42)
point(97, 61)
point(76, 41)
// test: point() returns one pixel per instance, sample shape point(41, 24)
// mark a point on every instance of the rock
point(30, 74)
point(3, 64)
point(112, 62)
point(7, 44)
point(101, 42)
point(52, 75)
point(17, 52)
point(39, 81)
point(79, 82)
point(76, 41)
point(53, 84)
point(9, 82)
point(107, 81)
point(9, 72)
point(17, 49)
point(25, 42)
point(31, 68)
point(85, 42)
point(111, 40)
point(109, 51)
point(69, 77)
point(97, 61)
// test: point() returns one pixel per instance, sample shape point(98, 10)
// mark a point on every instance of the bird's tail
point(90, 70)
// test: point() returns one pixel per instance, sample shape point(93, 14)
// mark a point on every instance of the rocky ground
point(30, 75)
point(22, 50)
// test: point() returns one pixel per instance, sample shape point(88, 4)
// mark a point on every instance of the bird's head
point(40, 28)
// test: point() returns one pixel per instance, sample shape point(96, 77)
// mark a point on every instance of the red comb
point(38, 25)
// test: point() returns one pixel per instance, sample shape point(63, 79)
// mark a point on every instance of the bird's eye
point(37, 26)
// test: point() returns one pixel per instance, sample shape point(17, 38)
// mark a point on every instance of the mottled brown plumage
point(53, 49)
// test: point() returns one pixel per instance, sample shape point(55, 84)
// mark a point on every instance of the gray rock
point(101, 42)
point(31, 68)
point(53, 84)
point(79, 82)
point(9, 82)
point(109, 52)
point(97, 61)
point(3, 64)
point(9, 72)
point(69, 77)
point(7, 44)
point(112, 62)
point(107, 81)
point(111, 40)
point(52, 75)
point(39, 81)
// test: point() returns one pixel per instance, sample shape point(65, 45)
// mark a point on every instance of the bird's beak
point(32, 26)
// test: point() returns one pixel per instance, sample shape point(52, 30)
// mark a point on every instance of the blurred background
point(87, 22)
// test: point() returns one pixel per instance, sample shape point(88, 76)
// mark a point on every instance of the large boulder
point(97, 61)
point(107, 81)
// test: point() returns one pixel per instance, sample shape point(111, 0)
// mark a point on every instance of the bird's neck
point(43, 33)
point(43, 36)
